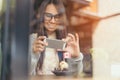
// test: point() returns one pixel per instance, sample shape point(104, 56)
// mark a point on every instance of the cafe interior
point(96, 21)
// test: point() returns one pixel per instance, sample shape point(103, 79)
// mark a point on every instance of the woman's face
point(51, 18)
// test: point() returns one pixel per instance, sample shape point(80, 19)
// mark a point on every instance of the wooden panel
point(92, 6)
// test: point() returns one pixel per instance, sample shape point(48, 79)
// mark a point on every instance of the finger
point(77, 37)
point(36, 50)
point(41, 37)
point(40, 46)
point(67, 39)
point(71, 36)
point(39, 42)
point(39, 49)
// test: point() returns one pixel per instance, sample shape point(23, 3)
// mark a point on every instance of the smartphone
point(56, 44)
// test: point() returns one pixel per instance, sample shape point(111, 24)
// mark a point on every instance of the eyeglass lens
point(49, 16)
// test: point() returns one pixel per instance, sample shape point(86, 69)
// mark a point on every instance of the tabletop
point(70, 78)
point(57, 78)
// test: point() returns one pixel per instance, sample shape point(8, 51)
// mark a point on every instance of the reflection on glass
point(48, 34)
point(0, 37)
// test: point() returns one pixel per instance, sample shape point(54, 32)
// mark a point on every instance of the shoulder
point(33, 36)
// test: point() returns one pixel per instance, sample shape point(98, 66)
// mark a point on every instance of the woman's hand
point(39, 44)
point(72, 45)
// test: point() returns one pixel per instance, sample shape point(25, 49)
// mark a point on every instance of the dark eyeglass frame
point(49, 16)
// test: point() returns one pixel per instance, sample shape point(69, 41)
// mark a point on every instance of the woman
point(52, 25)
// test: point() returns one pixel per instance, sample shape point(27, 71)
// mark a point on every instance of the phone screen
point(56, 44)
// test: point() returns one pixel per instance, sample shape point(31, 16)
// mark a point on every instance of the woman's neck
point(51, 35)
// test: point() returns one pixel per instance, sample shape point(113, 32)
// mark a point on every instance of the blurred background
point(98, 25)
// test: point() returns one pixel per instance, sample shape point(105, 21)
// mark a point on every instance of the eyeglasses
point(49, 16)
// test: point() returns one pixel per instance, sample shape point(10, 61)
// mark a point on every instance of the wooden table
point(57, 78)
point(68, 78)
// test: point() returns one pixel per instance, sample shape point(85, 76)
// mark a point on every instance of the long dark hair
point(60, 33)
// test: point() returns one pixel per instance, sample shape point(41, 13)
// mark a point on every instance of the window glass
point(0, 37)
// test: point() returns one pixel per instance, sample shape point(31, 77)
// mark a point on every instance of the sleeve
point(77, 64)
point(33, 57)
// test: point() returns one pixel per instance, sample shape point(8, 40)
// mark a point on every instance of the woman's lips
point(51, 27)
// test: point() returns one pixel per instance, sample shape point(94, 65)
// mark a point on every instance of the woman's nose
point(52, 20)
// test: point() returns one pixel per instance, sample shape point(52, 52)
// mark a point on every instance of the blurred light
point(0, 5)
point(90, 0)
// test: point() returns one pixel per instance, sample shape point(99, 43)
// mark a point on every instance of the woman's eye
point(48, 15)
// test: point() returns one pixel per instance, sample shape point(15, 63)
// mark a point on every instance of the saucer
point(62, 73)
